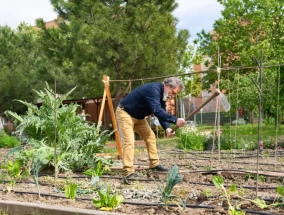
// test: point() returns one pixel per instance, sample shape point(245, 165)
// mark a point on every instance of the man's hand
point(169, 132)
point(180, 122)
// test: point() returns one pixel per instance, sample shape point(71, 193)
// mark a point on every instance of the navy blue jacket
point(146, 100)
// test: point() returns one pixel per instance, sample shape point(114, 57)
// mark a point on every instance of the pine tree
point(122, 39)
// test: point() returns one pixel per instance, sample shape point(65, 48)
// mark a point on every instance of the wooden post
point(102, 107)
point(110, 105)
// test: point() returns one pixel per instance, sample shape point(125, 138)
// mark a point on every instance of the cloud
point(193, 15)
point(13, 12)
point(196, 15)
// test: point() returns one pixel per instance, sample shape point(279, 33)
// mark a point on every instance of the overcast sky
point(193, 15)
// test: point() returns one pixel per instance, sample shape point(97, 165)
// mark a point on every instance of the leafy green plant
point(14, 169)
point(76, 141)
point(174, 177)
point(98, 170)
point(7, 141)
point(36, 170)
point(107, 201)
point(280, 190)
point(254, 177)
point(219, 183)
point(70, 190)
point(188, 139)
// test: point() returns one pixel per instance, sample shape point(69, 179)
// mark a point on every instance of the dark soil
point(197, 187)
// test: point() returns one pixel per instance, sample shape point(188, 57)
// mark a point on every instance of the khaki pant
point(127, 125)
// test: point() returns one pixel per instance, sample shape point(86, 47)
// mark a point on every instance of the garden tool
point(223, 100)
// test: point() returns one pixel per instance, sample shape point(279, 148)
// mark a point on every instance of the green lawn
point(249, 133)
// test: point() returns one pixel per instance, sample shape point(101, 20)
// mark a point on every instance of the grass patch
point(247, 135)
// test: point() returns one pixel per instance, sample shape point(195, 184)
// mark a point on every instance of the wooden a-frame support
point(110, 105)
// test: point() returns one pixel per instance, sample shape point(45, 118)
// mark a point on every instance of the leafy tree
point(247, 26)
point(22, 66)
point(16, 67)
point(122, 39)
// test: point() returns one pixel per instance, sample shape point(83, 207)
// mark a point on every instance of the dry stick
point(216, 93)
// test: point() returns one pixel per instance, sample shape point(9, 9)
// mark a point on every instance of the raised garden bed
point(143, 196)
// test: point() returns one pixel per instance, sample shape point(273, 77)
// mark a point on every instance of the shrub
point(269, 143)
point(269, 121)
point(77, 142)
point(188, 139)
point(7, 141)
point(228, 142)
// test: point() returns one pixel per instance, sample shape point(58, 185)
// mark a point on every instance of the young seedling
point(137, 185)
point(70, 190)
point(174, 177)
point(219, 183)
point(206, 192)
point(253, 176)
point(208, 167)
point(14, 172)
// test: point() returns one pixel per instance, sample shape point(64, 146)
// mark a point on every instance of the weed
point(189, 166)
point(242, 191)
point(137, 185)
point(206, 192)
point(207, 167)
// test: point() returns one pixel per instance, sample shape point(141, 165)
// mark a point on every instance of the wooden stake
point(113, 119)
point(102, 107)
